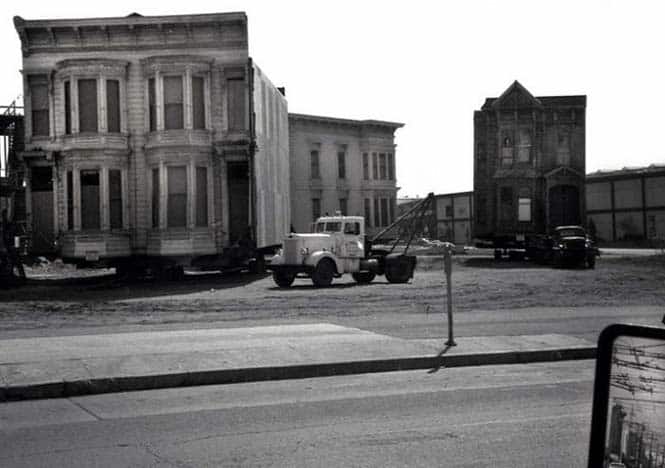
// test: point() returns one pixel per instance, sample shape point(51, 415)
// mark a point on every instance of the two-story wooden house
point(150, 136)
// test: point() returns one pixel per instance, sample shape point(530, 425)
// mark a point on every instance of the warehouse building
point(454, 217)
point(450, 218)
point(627, 205)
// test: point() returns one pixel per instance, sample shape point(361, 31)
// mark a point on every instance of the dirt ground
point(479, 283)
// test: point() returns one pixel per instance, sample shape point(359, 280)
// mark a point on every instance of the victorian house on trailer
point(150, 136)
point(529, 165)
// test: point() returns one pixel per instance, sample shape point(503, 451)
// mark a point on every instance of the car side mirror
point(628, 413)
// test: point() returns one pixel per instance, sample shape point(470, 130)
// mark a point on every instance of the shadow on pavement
point(481, 262)
point(112, 288)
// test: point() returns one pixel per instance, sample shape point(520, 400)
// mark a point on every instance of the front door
point(41, 185)
point(238, 183)
point(564, 204)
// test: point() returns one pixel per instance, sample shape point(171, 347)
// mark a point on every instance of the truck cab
point(336, 246)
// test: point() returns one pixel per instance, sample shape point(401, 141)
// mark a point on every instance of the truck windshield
point(571, 233)
point(329, 227)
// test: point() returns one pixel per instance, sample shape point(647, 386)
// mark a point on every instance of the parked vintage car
point(567, 246)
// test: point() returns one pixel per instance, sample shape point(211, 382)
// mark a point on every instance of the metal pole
point(448, 268)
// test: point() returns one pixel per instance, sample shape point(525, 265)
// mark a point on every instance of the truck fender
point(314, 259)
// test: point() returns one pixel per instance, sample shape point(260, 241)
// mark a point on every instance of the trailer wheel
point(398, 273)
point(363, 277)
point(323, 273)
point(557, 259)
point(257, 265)
point(283, 279)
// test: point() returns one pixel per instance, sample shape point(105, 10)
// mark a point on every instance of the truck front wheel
point(398, 273)
point(323, 273)
point(283, 279)
point(363, 277)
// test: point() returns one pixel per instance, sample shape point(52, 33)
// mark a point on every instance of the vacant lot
point(480, 283)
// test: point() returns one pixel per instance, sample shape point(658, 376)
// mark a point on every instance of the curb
point(66, 389)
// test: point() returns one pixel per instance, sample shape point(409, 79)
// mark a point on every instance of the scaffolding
point(12, 190)
point(11, 144)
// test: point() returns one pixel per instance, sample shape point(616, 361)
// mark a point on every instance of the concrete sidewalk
point(76, 365)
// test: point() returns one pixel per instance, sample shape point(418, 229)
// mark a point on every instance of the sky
point(430, 64)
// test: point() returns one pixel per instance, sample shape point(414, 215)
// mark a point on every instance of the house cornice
point(134, 32)
point(345, 122)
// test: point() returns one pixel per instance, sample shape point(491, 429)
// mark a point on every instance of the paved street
point(520, 415)
point(424, 323)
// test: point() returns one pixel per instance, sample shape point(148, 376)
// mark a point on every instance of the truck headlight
point(304, 251)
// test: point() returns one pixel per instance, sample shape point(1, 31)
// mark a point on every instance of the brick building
point(342, 165)
point(529, 164)
point(151, 136)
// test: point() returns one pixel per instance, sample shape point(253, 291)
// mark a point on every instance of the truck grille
point(291, 251)
point(576, 244)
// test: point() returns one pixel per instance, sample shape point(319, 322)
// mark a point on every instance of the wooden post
point(448, 268)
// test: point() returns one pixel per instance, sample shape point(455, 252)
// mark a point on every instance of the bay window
point(152, 105)
point(92, 93)
point(94, 198)
point(173, 103)
point(201, 196)
point(113, 106)
point(198, 103)
point(155, 198)
point(176, 207)
point(89, 183)
point(115, 199)
point(177, 97)
point(87, 105)
point(68, 108)
point(179, 196)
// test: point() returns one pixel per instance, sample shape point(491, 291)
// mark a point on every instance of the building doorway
point(239, 199)
point(41, 185)
point(564, 206)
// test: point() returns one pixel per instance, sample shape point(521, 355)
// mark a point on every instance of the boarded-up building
point(454, 217)
point(153, 136)
point(627, 205)
point(450, 218)
point(529, 165)
point(342, 165)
